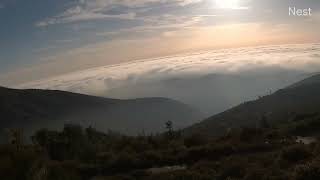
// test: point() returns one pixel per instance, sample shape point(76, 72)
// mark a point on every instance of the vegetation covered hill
point(281, 106)
point(35, 109)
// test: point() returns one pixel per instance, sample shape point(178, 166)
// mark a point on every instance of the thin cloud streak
point(98, 9)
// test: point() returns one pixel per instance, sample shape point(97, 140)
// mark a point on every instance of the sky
point(45, 38)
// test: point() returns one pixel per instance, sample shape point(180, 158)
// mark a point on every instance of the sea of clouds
point(211, 81)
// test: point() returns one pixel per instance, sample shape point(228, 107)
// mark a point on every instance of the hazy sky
point(41, 38)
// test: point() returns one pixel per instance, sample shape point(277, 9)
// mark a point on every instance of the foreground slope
point(284, 105)
point(34, 109)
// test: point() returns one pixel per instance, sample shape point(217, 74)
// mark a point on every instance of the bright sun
point(227, 4)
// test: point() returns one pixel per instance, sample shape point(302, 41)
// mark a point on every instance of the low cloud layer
point(235, 74)
point(226, 61)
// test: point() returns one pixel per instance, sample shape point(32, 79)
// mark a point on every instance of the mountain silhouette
point(210, 93)
point(284, 105)
point(34, 109)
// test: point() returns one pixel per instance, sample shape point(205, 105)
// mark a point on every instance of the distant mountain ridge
point(34, 109)
point(283, 105)
point(311, 80)
point(211, 93)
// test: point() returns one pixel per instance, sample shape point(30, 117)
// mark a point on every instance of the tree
point(169, 127)
point(74, 138)
point(52, 142)
point(16, 138)
point(264, 122)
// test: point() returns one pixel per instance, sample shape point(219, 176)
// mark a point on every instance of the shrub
point(195, 140)
point(295, 153)
point(235, 170)
point(307, 172)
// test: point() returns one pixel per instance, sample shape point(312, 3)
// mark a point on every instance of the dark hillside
point(34, 109)
point(283, 105)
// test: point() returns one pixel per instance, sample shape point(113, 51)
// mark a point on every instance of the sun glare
point(227, 4)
